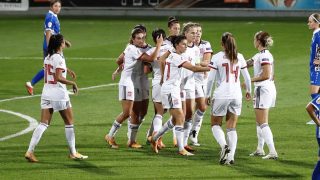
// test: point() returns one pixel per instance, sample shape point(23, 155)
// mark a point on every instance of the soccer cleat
point(311, 122)
point(134, 145)
point(153, 144)
point(29, 88)
point(112, 143)
point(188, 148)
point(160, 143)
point(195, 144)
point(229, 162)
point(185, 153)
point(257, 153)
point(271, 156)
point(30, 157)
point(77, 156)
point(224, 154)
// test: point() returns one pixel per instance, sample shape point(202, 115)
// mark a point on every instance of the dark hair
point(55, 43)
point(264, 38)
point(229, 44)
point(52, 2)
point(141, 26)
point(175, 40)
point(172, 20)
point(134, 32)
point(156, 33)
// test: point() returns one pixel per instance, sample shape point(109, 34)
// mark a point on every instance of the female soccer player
point(313, 109)
point(227, 97)
point(55, 98)
point(264, 93)
point(313, 23)
point(132, 55)
point(174, 29)
point(200, 86)
point(170, 92)
point(51, 27)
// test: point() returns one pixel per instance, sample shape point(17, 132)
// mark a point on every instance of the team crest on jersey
point(50, 24)
point(318, 100)
point(129, 93)
point(175, 101)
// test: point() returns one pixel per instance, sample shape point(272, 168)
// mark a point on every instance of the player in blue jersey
point(313, 109)
point(313, 23)
point(51, 27)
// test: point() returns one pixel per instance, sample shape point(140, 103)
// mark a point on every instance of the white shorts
point(200, 91)
point(55, 105)
point(190, 94)
point(220, 107)
point(156, 93)
point(171, 101)
point(183, 95)
point(264, 97)
point(126, 93)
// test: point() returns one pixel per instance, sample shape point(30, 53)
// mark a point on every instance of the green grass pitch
point(101, 40)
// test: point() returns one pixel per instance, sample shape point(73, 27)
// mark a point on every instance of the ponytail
point(229, 44)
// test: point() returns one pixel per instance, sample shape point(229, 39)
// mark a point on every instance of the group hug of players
point(184, 71)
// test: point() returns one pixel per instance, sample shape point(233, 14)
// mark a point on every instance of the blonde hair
point(264, 38)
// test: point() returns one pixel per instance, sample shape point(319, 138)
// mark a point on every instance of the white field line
point(33, 122)
point(71, 58)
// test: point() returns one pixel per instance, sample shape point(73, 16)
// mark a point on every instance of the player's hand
point(75, 89)
point(160, 39)
point(316, 62)
point(114, 75)
point(248, 96)
point(72, 74)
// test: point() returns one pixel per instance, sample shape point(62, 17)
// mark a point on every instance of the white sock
point(197, 122)
point(167, 126)
point(133, 132)
point(69, 130)
point(232, 139)
point(218, 134)
point(114, 128)
point(187, 128)
point(268, 137)
point(36, 136)
point(157, 122)
point(179, 133)
point(128, 126)
point(260, 138)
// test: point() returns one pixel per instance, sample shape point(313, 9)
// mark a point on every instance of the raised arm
point(145, 57)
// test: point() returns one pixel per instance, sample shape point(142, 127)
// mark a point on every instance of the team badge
point(50, 24)
point(175, 101)
point(318, 100)
point(129, 93)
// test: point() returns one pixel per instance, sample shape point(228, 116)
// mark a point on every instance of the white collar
point(316, 30)
point(53, 13)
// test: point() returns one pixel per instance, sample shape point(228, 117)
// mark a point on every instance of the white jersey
point(260, 59)
point(193, 56)
point(53, 90)
point(156, 64)
point(228, 82)
point(131, 56)
point(168, 41)
point(204, 47)
point(173, 73)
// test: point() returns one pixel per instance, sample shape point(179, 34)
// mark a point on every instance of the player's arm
point(193, 68)
point(58, 77)
point(72, 74)
point(266, 73)
point(211, 78)
point(311, 111)
point(162, 63)
point(48, 35)
point(120, 59)
point(247, 80)
point(206, 59)
point(117, 71)
point(146, 58)
point(249, 63)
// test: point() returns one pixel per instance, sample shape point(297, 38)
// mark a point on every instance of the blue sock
point(316, 172)
point(37, 77)
point(314, 95)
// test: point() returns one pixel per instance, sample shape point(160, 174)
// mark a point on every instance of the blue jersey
point(316, 104)
point(315, 54)
point(52, 24)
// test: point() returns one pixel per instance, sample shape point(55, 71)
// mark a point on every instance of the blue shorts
point(315, 77)
point(318, 138)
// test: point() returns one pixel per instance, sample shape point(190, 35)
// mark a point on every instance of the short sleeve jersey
point(193, 54)
point(53, 90)
point(52, 24)
point(228, 82)
point(260, 59)
point(204, 47)
point(173, 73)
point(131, 56)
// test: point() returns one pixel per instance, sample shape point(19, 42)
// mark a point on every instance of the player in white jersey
point(188, 81)
point(170, 92)
point(55, 98)
point(156, 86)
point(132, 55)
point(264, 93)
point(227, 97)
point(200, 86)
point(173, 28)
